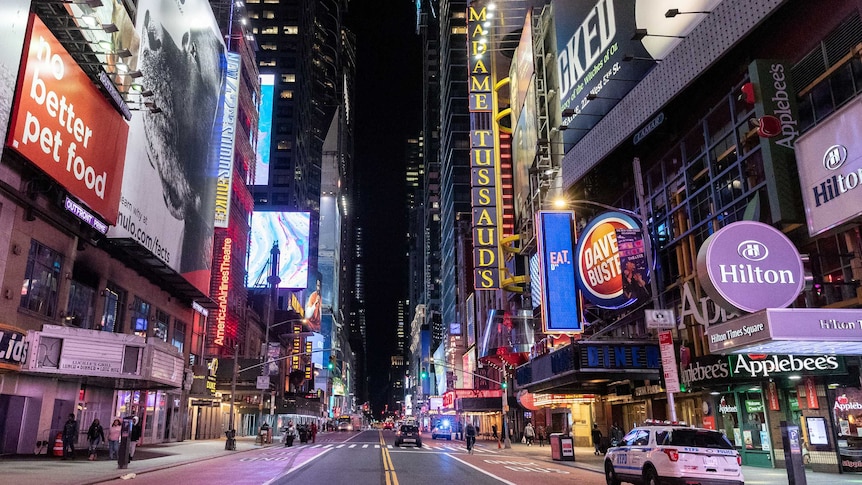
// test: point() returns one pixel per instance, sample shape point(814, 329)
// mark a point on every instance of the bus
point(349, 422)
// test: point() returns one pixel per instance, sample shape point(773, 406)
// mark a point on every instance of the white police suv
point(661, 452)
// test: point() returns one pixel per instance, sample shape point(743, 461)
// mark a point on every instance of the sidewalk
point(42, 470)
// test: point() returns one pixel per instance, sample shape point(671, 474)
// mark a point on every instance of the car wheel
point(650, 477)
point(610, 475)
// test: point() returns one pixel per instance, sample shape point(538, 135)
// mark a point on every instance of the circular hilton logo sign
point(600, 275)
point(750, 266)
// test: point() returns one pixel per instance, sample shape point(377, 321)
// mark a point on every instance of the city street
point(366, 457)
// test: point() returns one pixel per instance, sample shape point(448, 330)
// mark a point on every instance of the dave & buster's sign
point(63, 125)
point(751, 266)
point(600, 273)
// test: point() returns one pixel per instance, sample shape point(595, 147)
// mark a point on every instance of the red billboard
point(66, 127)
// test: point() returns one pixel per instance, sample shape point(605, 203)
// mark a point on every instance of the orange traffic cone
point(58, 445)
point(499, 445)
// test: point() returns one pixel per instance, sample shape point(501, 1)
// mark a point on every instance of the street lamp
point(231, 443)
point(507, 443)
point(265, 369)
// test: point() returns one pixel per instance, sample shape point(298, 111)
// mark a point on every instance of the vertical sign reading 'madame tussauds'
point(484, 155)
point(228, 140)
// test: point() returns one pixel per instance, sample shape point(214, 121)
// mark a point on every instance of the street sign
point(660, 319)
point(262, 382)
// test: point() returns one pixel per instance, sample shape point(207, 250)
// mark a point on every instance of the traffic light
point(331, 364)
point(504, 385)
point(424, 374)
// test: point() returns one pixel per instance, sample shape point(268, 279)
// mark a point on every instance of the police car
point(661, 452)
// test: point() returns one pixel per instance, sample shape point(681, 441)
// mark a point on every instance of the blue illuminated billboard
point(289, 230)
point(264, 129)
point(561, 311)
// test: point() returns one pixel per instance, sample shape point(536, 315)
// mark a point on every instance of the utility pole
point(273, 281)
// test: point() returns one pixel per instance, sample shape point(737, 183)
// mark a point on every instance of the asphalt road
point(369, 457)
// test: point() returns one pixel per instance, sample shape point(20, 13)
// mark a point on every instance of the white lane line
point(480, 470)
point(279, 477)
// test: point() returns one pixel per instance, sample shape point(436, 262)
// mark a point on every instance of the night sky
point(388, 103)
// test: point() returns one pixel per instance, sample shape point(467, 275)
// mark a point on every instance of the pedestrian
point(529, 433)
point(616, 435)
point(114, 439)
point(95, 437)
point(289, 434)
point(540, 434)
point(470, 431)
point(134, 436)
point(597, 438)
point(70, 436)
point(494, 432)
point(313, 432)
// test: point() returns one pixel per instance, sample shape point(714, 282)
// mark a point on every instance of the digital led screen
point(289, 230)
point(264, 129)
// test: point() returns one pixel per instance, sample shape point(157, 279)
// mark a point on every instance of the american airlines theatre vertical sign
point(484, 153)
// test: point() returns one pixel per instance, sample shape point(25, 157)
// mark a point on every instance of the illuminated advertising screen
point(604, 50)
point(169, 185)
point(556, 244)
point(62, 123)
point(264, 129)
point(289, 232)
point(13, 27)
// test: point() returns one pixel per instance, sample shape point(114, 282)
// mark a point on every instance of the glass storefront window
point(728, 411)
point(755, 433)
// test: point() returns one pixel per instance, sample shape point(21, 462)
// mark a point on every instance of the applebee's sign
point(750, 266)
point(760, 365)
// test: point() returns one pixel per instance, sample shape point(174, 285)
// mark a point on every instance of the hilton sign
point(750, 266)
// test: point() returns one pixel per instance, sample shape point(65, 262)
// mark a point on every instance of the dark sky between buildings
point(388, 103)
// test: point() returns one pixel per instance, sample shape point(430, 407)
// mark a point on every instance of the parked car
point(443, 429)
point(667, 453)
point(408, 434)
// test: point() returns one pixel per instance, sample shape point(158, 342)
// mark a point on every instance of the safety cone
point(499, 445)
point(58, 445)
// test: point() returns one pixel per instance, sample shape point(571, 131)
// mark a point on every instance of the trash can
point(562, 447)
point(230, 443)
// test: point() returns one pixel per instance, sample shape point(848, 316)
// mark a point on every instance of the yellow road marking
point(388, 468)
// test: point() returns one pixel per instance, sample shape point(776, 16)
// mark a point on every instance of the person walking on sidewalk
point(70, 436)
point(494, 432)
point(470, 431)
point(134, 437)
point(95, 437)
point(314, 432)
point(597, 438)
point(540, 434)
point(529, 433)
point(114, 439)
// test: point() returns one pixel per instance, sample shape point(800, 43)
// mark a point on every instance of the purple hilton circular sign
point(750, 266)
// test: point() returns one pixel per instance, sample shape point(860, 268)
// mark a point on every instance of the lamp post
point(507, 443)
point(562, 202)
point(265, 369)
point(236, 371)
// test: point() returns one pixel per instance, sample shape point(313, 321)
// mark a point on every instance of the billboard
point(555, 234)
point(600, 51)
point(264, 129)
point(13, 26)
point(63, 125)
point(169, 185)
point(289, 232)
point(600, 273)
point(227, 140)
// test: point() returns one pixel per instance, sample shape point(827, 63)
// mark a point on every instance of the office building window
point(114, 300)
point(160, 330)
point(80, 311)
point(41, 279)
point(179, 338)
point(139, 317)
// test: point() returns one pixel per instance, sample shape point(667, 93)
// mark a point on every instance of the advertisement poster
point(634, 265)
point(847, 416)
point(66, 127)
point(169, 185)
point(13, 26)
point(288, 231)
